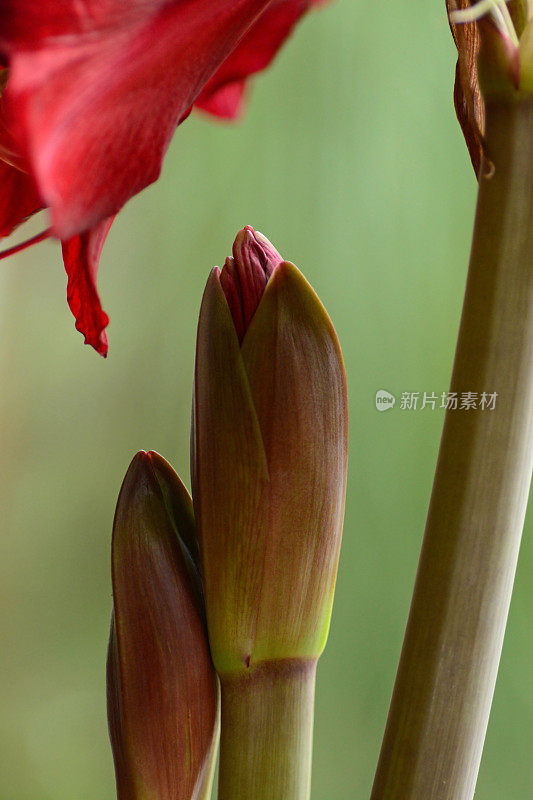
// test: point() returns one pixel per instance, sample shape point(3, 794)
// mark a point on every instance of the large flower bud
point(162, 689)
point(269, 461)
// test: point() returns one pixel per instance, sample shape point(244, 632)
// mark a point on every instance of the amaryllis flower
point(92, 93)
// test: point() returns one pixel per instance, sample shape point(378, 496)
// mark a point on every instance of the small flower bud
point(162, 689)
point(269, 461)
point(245, 276)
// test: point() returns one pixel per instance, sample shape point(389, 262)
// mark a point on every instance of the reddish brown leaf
point(468, 102)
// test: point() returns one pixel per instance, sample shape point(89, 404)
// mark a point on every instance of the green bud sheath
point(301, 403)
point(162, 689)
point(271, 451)
point(269, 464)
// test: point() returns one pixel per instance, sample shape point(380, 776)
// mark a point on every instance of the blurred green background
point(350, 159)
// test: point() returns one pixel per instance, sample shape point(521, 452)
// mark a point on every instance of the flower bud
point(162, 689)
point(246, 275)
point(269, 460)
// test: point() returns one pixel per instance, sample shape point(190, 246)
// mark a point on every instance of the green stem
point(267, 732)
point(443, 692)
point(518, 10)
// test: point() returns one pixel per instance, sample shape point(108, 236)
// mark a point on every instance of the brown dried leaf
point(468, 102)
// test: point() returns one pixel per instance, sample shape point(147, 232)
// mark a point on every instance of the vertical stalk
point(443, 692)
point(267, 732)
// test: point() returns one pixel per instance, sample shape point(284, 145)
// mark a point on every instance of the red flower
point(95, 91)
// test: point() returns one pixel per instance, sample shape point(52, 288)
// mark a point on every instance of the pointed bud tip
point(244, 276)
point(148, 460)
point(139, 470)
point(137, 466)
point(140, 489)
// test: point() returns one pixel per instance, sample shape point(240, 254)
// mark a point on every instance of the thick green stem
point(445, 682)
point(267, 732)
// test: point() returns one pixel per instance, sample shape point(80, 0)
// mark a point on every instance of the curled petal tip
point(81, 256)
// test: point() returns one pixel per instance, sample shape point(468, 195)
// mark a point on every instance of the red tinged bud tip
point(245, 276)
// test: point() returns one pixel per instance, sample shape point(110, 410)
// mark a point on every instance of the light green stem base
point(267, 732)
point(445, 682)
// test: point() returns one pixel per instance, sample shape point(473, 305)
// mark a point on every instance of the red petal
point(94, 95)
point(81, 255)
point(245, 276)
point(226, 102)
point(27, 23)
point(18, 198)
point(223, 94)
